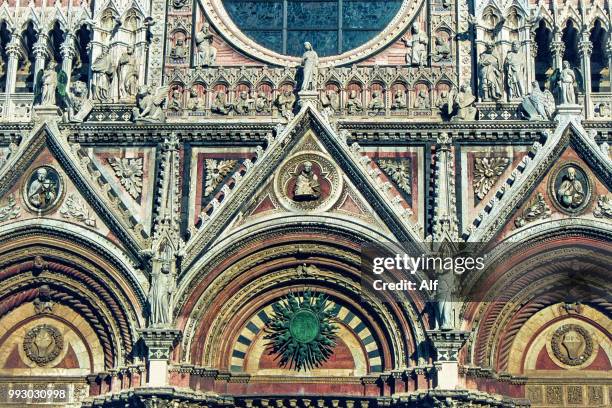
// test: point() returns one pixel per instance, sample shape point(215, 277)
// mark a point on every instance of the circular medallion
point(304, 326)
point(571, 188)
point(572, 344)
point(43, 189)
point(42, 344)
point(308, 181)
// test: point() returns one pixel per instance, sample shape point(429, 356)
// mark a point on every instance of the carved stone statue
point(310, 62)
point(422, 100)
point(443, 306)
point(195, 102)
point(490, 75)
point(127, 69)
point(49, 85)
point(399, 100)
point(330, 100)
point(417, 56)
point(102, 76)
point(377, 104)
point(464, 101)
point(179, 51)
point(244, 104)
point(206, 53)
point(538, 105)
point(149, 106)
point(566, 84)
point(262, 103)
point(176, 103)
point(220, 105)
point(570, 193)
point(353, 105)
point(77, 104)
point(444, 103)
point(285, 102)
point(515, 72)
point(160, 293)
point(307, 186)
point(442, 49)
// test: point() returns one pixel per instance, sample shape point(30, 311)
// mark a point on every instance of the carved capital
point(557, 47)
point(585, 48)
point(160, 342)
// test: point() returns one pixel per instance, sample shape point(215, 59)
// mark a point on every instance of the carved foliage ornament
point(301, 331)
point(572, 344)
point(603, 209)
point(399, 171)
point(11, 210)
point(43, 344)
point(129, 172)
point(486, 173)
point(536, 209)
point(75, 208)
point(216, 170)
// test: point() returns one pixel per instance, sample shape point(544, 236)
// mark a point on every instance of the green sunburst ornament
point(301, 331)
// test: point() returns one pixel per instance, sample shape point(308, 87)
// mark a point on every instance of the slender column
point(15, 53)
point(585, 49)
point(531, 53)
point(160, 342)
point(41, 53)
point(609, 54)
point(447, 345)
point(557, 48)
point(68, 51)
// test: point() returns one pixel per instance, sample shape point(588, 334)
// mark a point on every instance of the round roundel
point(331, 26)
point(304, 326)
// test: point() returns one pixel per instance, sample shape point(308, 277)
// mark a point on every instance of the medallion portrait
point(571, 188)
point(43, 189)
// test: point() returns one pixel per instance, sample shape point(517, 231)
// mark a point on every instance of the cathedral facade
point(190, 192)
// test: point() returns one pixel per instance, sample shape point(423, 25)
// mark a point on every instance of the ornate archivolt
point(241, 288)
point(217, 15)
point(70, 276)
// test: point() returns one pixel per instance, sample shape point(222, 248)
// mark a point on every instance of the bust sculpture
point(307, 186)
point(376, 103)
point(42, 191)
point(220, 104)
point(570, 193)
point(285, 102)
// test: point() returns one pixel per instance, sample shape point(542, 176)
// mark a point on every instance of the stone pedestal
point(160, 342)
point(568, 110)
point(305, 96)
point(47, 112)
point(447, 344)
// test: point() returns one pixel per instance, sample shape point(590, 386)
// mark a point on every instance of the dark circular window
point(332, 26)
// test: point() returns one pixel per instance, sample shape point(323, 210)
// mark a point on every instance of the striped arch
point(254, 330)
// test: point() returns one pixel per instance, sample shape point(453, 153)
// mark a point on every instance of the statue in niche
point(353, 105)
point(442, 49)
point(149, 106)
point(220, 105)
point(77, 104)
point(444, 101)
point(102, 76)
point(127, 69)
point(179, 51)
point(538, 105)
point(422, 99)
point(570, 193)
point(464, 101)
point(49, 85)
point(175, 102)
point(490, 75)
point(162, 287)
point(443, 306)
point(377, 104)
point(310, 62)
point(330, 100)
point(262, 103)
point(417, 56)
point(566, 84)
point(602, 110)
point(307, 187)
point(515, 72)
point(244, 104)
point(196, 102)
point(206, 53)
point(399, 100)
point(285, 102)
